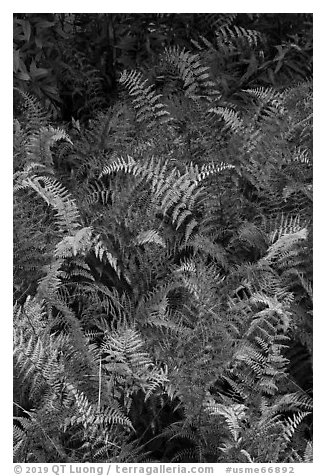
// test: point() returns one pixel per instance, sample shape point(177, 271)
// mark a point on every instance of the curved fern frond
point(39, 145)
point(80, 243)
point(284, 245)
point(33, 117)
point(195, 76)
point(150, 236)
point(56, 195)
point(231, 37)
point(231, 118)
point(101, 251)
point(90, 417)
point(145, 100)
point(292, 424)
point(233, 415)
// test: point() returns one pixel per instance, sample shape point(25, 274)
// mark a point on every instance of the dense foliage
point(163, 238)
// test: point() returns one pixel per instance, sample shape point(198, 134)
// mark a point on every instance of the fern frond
point(35, 363)
point(101, 251)
point(70, 246)
point(198, 174)
point(269, 99)
point(90, 417)
point(33, 116)
point(292, 424)
point(147, 103)
point(284, 244)
point(150, 236)
point(50, 284)
point(233, 415)
point(56, 195)
point(308, 453)
point(39, 145)
point(119, 165)
point(231, 118)
point(230, 37)
point(195, 76)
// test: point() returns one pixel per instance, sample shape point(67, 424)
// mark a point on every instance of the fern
point(32, 115)
point(150, 236)
point(146, 102)
point(230, 37)
point(54, 194)
point(163, 248)
point(195, 76)
point(40, 143)
point(231, 118)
